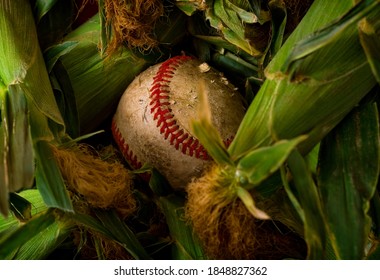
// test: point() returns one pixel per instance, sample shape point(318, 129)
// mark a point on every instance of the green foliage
point(35, 239)
point(305, 193)
point(260, 163)
point(185, 244)
point(348, 176)
point(27, 101)
point(49, 180)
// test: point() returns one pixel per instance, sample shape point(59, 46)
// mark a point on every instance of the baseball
point(153, 119)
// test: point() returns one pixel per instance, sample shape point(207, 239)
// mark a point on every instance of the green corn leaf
point(235, 64)
point(206, 133)
point(307, 200)
point(327, 35)
point(312, 159)
point(16, 147)
point(20, 207)
point(231, 26)
point(249, 203)
point(157, 182)
point(21, 58)
point(122, 233)
point(28, 107)
point(369, 38)
point(188, 7)
point(54, 19)
point(348, 174)
point(330, 82)
point(21, 157)
point(109, 225)
point(243, 10)
point(30, 201)
point(11, 243)
point(259, 164)
point(375, 254)
point(224, 16)
point(42, 7)
point(187, 246)
point(49, 179)
point(35, 199)
point(40, 246)
point(216, 40)
point(53, 53)
point(279, 19)
point(375, 213)
point(66, 99)
point(90, 223)
point(36, 239)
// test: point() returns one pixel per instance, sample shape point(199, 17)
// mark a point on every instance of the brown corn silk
point(226, 228)
point(102, 183)
point(132, 23)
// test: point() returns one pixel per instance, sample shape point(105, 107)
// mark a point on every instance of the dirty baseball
point(152, 123)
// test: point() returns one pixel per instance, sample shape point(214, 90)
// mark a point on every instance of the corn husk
point(29, 112)
point(83, 75)
point(46, 231)
point(319, 110)
point(90, 83)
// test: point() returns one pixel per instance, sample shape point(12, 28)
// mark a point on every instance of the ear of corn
point(28, 108)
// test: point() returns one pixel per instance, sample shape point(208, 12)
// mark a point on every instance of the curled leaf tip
point(249, 203)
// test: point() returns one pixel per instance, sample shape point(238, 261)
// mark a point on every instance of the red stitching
point(124, 147)
point(162, 113)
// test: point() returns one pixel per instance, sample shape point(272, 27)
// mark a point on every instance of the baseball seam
point(124, 147)
point(162, 112)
